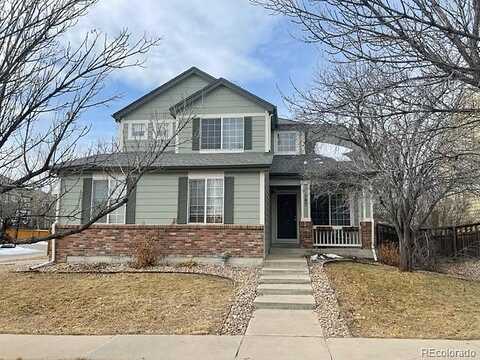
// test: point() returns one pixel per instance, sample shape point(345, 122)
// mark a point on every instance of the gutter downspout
point(373, 230)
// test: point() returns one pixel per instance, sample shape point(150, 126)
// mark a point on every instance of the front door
point(287, 217)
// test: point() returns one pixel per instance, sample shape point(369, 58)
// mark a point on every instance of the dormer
point(288, 138)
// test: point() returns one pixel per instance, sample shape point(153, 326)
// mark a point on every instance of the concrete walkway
point(284, 304)
point(249, 347)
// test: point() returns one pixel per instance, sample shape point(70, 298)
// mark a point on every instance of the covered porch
point(300, 218)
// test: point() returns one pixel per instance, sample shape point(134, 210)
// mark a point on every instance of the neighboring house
point(26, 208)
point(232, 183)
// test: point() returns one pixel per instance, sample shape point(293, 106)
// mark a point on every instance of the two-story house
point(232, 183)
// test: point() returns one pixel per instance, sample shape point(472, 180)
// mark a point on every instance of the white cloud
point(218, 36)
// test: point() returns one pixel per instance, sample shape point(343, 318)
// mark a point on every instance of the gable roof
point(229, 85)
point(164, 87)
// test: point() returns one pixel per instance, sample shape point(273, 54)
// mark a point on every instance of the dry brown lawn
point(155, 303)
point(380, 301)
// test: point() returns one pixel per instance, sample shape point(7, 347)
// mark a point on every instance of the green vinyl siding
point(70, 200)
point(157, 197)
point(246, 209)
point(258, 136)
point(158, 107)
point(267, 229)
point(258, 133)
point(223, 101)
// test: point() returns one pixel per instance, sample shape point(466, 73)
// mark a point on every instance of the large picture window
point(222, 134)
point(106, 192)
point(331, 210)
point(206, 200)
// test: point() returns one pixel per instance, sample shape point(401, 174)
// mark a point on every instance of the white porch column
point(305, 200)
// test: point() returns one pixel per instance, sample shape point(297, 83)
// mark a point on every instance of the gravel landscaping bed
point(327, 309)
point(469, 269)
point(245, 282)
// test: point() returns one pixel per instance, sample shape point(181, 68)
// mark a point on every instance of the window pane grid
point(233, 133)
point(116, 190)
point(206, 201)
point(287, 142)
point(211, 134)
point(331, 210)
point(138, 131)
point(197, 201)
point(340, 210)
point(214, 201)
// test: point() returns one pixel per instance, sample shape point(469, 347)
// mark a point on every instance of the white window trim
point(124, 206)
point(296, 152)
point(222, 150)
point(205, 177)
point(130, 135)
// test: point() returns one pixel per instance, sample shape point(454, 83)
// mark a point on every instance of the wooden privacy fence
point(449, 241)
point(23, 234)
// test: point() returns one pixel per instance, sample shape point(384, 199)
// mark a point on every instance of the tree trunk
point(405, 247)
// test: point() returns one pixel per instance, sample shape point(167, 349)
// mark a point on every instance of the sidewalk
point(249, 347)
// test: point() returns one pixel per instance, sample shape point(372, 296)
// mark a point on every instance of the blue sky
point(226, 38)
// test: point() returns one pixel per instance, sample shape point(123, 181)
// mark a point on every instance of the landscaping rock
point(327, 309)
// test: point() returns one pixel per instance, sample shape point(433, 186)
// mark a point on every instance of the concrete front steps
point(286, 302)
point(285, 284)
point(284, 289)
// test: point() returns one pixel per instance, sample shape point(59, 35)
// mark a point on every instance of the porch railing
point(347, 236)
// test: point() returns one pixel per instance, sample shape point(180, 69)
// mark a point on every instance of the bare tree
point(409, 159)
point(46, 83)
point(437, 38)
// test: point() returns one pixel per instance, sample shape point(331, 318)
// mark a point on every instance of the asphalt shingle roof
point(175, 161)
point(299, 164)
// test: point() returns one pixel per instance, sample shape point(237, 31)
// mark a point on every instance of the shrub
point(389, 254)
point(145, 254)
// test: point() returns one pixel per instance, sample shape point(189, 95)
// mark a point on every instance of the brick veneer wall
point(178, 240)
point(306, 234)
point(366, 234)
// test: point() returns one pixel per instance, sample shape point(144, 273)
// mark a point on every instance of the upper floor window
point(206, 200)
point(138, 131)
point(105, 192)
point(224, 133)
point(287, 142)
point(164, 130)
